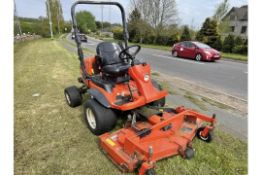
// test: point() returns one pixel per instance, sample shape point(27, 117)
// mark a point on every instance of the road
point(225, 76)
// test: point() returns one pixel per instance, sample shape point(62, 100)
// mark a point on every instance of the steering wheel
point(124, 54)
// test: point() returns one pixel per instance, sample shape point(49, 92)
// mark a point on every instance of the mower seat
point(108, 55)
point(116, 69)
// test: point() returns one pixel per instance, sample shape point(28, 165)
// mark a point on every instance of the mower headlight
point(146, 77)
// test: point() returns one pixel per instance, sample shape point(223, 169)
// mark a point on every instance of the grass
point(195, 100)
point(155, 74)
point(52, 138)
point(235, 56)
point(166, 86)
point(215, 103)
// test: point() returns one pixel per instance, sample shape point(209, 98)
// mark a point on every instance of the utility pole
point(49, 16)
point(102, 18)
point(110, 16)
point(58, 18)
point(17, 22)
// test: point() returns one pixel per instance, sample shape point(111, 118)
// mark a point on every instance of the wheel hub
point(200, 135)
point(68, 98)
point(91, 118)
point(198, 57)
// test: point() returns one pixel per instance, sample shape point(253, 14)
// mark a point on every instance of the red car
point(195, 50)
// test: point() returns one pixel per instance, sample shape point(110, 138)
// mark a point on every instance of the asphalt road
point(225, 76)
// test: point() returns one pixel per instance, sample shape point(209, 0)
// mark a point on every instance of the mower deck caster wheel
point(207, 139)
point(189, 153)
point(150, 172)
point(73, 96)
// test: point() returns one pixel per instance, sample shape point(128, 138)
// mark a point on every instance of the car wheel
point(175, 54)
point(198, 57)
point(73, 96)
point(98, 118)
point(161, 102)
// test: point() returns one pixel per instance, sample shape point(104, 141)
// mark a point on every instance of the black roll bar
point(77, 39)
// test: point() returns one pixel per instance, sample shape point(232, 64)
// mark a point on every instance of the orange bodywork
point(170, 134)
point(143, 91)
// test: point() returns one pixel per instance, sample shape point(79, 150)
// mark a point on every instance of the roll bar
point(77, 39)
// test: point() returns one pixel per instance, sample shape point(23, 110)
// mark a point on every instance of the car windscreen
point(82, 36)
point(201, 45)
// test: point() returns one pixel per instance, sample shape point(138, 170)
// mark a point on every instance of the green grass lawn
point(52, 138)
point(234, 56)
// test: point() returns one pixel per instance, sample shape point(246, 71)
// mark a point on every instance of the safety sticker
point(110, 142)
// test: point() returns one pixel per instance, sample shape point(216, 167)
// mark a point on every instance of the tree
point(157, 13)
point(85, 22)
point(219, 16)
point(221, 10)
point(106, 25)
point(138, 28)
point(208, 33)
point(118, 32)
point(238, 41)
point(240, 46)
point(33, 25)
point(56, 15)
point(133, 24)
point(218, 44)
point(228, 44)
point(185, 34)
point(203, 31)
point(98, 25)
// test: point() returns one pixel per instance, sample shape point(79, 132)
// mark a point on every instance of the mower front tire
point(98, 118)
point(161, 102)
point(73, 96)
point(150, 172)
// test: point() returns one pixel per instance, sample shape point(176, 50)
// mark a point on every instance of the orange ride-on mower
point(118, 84)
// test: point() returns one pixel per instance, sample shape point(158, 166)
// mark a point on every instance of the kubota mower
point(119, 84)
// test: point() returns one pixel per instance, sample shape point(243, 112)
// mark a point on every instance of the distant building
point(238, 21)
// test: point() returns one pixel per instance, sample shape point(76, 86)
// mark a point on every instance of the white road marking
point(179, 59)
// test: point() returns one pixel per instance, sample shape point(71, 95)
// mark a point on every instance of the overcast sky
point(190, 12)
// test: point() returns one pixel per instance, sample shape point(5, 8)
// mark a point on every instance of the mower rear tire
point(207, 139)
point(98, 118)
point(73, 96)
point(161, 102)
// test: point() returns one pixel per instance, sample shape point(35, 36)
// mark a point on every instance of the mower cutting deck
point(139, 145)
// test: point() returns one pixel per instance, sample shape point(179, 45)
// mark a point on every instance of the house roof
point(240, 12)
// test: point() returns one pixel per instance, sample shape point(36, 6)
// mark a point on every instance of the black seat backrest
point(108, 53)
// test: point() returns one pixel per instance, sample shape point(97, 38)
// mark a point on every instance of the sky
point(190, 12)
